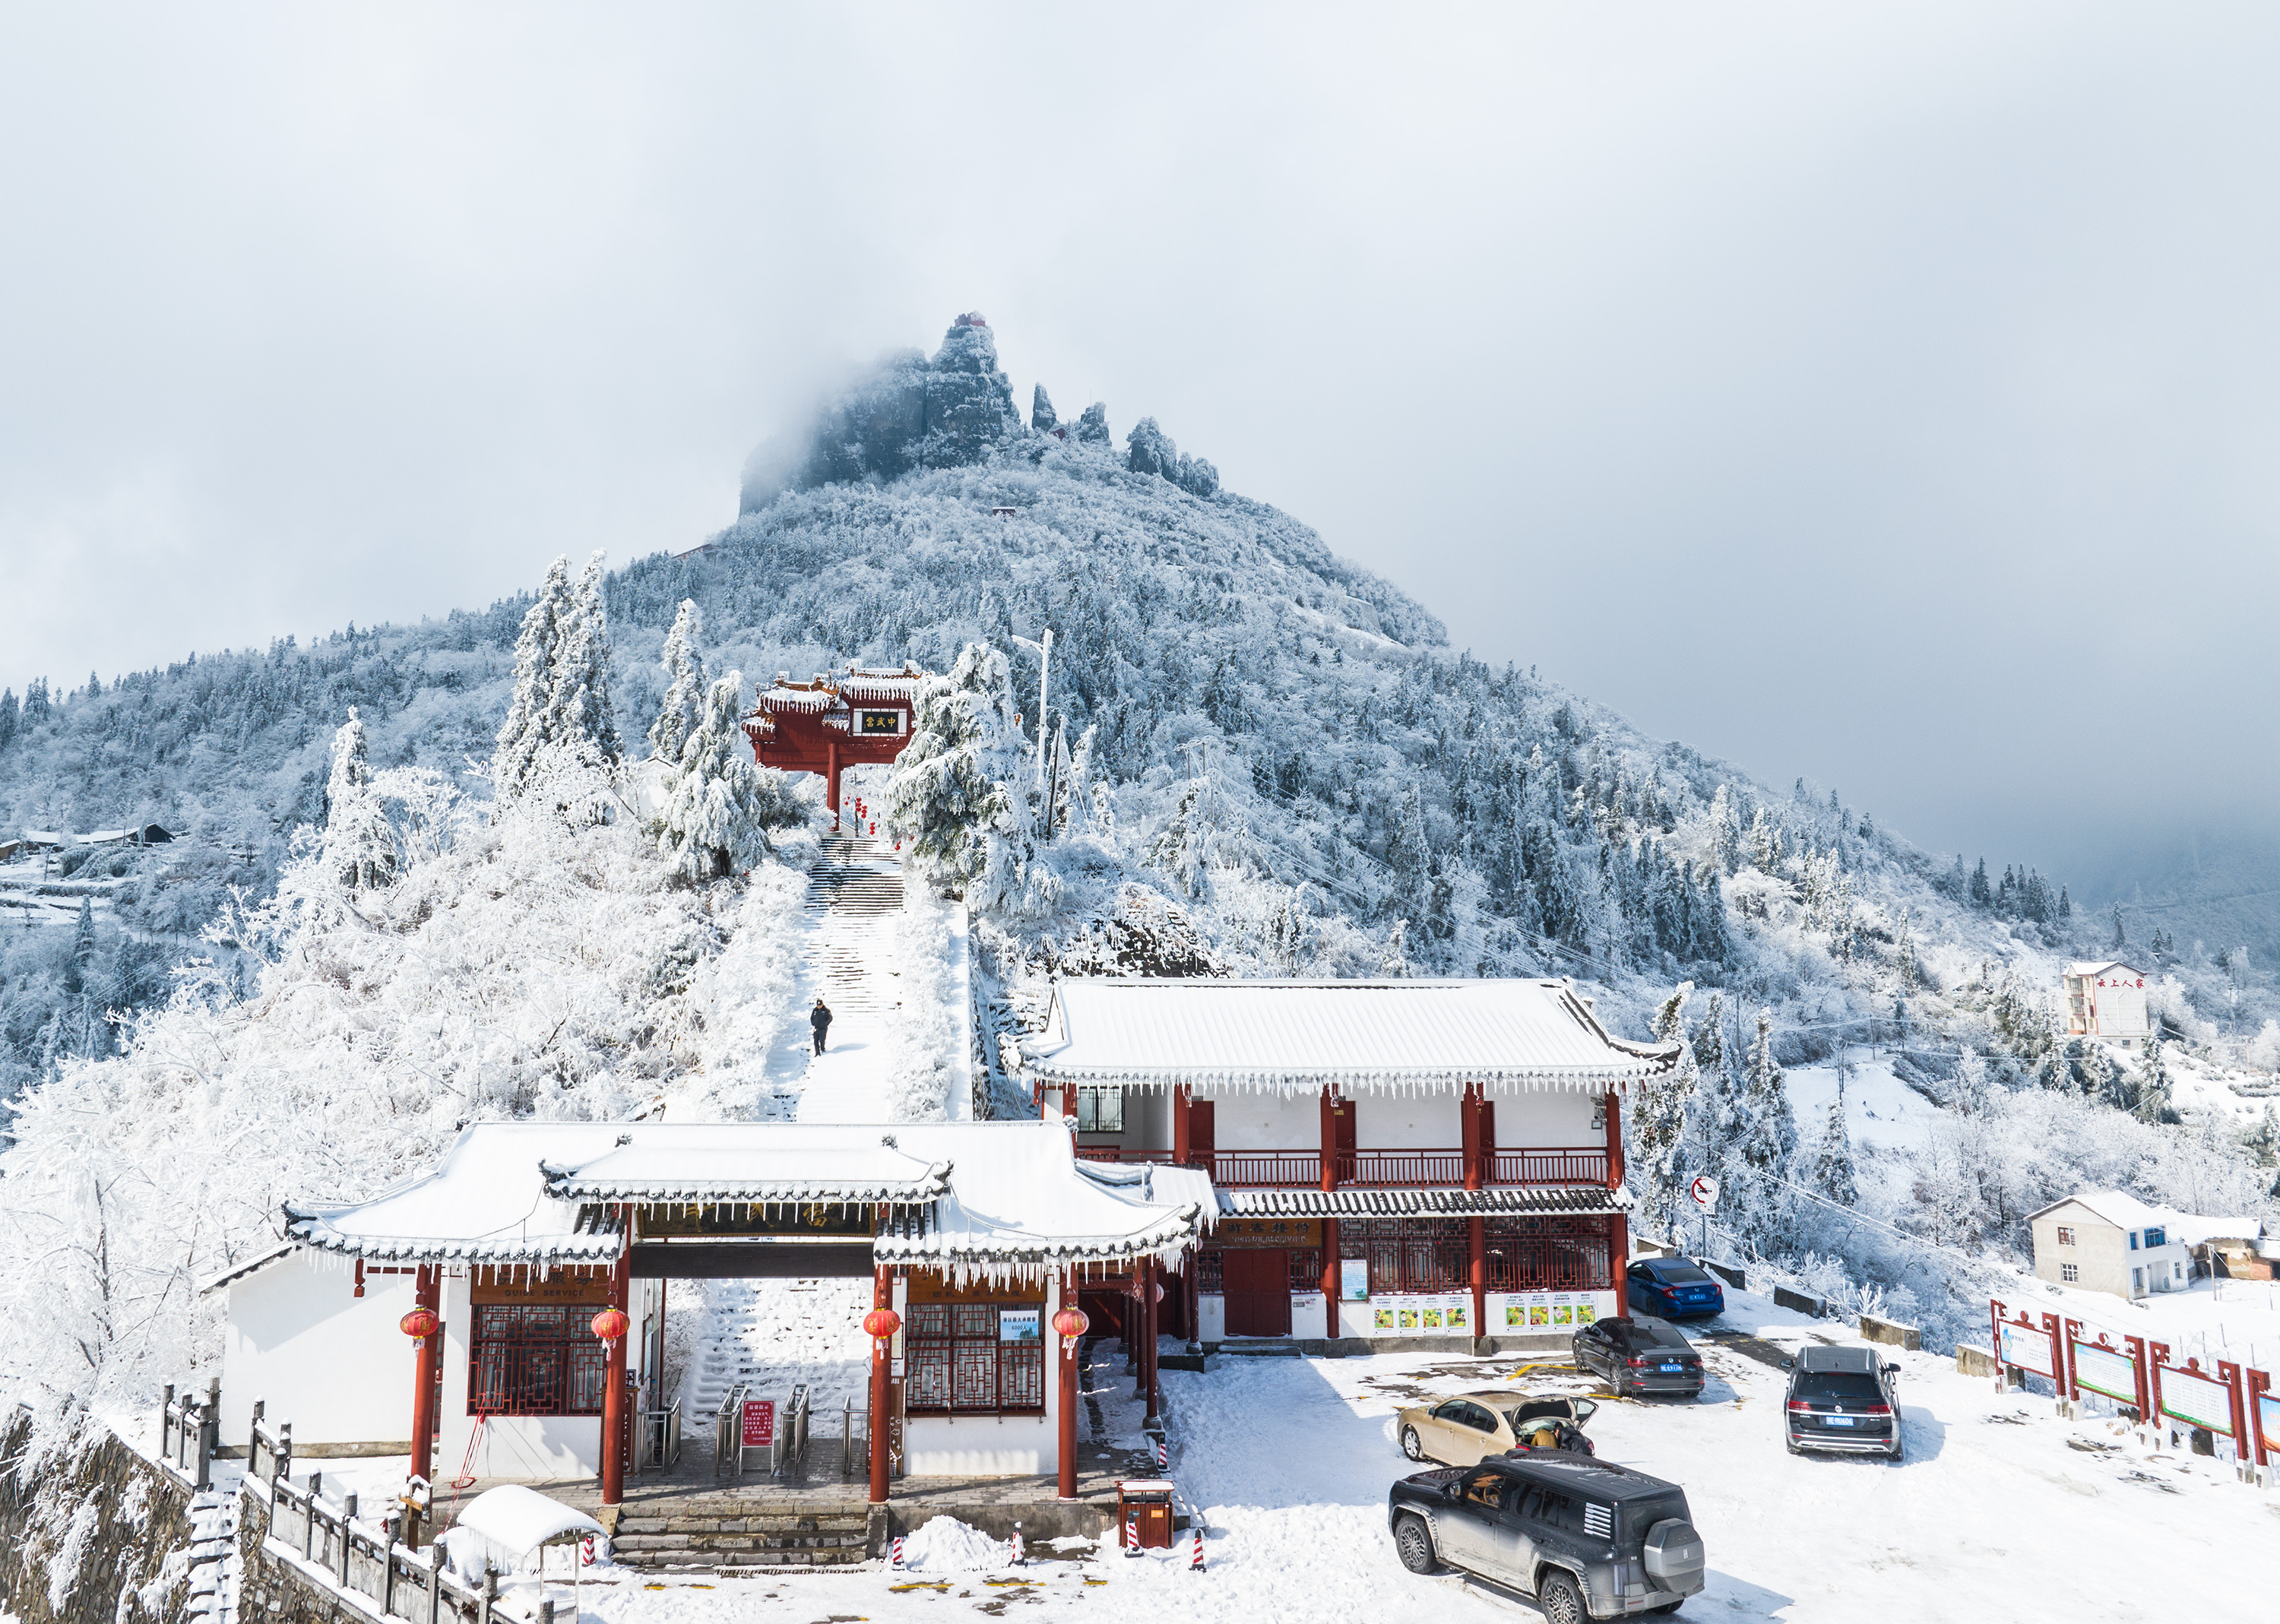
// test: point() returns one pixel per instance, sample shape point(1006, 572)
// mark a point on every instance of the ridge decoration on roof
point(1297, 1037)
point(643, 1170)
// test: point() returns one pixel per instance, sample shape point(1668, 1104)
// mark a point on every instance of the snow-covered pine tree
point(1655, 1127)
point(1832, 1172)
point(1725, 843)
point(1904, 954)
point(532, 725)
point(949, 796)
point(2152, 1104)
point(589, 723)
point(1714, 1125)
point(683, 712)
point(2121, 940)
point(1181, 847)
point(360, 846)
point(719, 805)
point(1408, 862)
point(1765, 1149)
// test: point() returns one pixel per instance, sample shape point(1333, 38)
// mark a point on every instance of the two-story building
point(1395, 1161)
point(2103, 1240)
point(2104, 998)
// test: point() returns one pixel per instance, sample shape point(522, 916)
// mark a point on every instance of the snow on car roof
point(1298, 1037)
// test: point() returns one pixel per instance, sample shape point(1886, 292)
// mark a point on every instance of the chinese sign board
point(759, 1422)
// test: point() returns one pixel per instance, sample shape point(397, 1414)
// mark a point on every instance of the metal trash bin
point(1144, 1513)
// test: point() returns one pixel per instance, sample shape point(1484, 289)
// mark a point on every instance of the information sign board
point(1019, 1324)
point(2268, 1420)
point(759, 1422)
point(2189, 1397)
point(2102, 1370)
point(1353, 1280)
point(2027, 1348)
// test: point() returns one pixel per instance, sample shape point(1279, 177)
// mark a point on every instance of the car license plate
point(1837, 1420)
point(1672, 1370)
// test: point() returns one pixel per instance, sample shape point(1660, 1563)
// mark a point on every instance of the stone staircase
point(854, 890)
point(723, 1534)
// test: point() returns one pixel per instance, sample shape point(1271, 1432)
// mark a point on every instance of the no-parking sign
point(1703, 1192)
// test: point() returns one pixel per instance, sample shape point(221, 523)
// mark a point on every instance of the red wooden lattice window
point(534, 1360)
point(958, 1362)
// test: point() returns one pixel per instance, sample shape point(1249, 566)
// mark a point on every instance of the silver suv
point(1587, 1539)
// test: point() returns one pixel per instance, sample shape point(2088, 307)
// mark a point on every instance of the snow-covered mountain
point(1286, 769)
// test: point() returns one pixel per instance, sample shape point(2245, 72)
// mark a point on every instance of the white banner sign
point(2102, 1370)
point(2197, 1400)
point(2027, 1348)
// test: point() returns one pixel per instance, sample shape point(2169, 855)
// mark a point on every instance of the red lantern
point(881, 1323)
point(1070, 1324)
point(611, 1324)
point(419, 1325)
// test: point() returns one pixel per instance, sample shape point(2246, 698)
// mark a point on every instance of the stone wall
point(94, 1534)
point(273, 1591)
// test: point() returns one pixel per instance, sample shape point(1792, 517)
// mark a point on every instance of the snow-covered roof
point(503, 1528)
point(1295, 1037)
point(1021, 1205)
point(2126, 1212)
point(695, 1162)
point(1545, 1201)
point(486, 1203)
point(1004, 1198)
point(2100, 967)
point(259, 1261)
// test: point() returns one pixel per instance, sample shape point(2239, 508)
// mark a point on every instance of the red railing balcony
point(1574, 1165)
point(1414, 1169)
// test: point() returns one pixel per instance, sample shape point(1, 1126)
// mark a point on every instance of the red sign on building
point(759, 1422)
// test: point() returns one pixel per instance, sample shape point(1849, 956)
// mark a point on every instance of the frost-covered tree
point(1831, 1173)
point(1904, 954)
point(561, 701)
point(1655, 1127)
point(1763, 1151)
point(718, 805)
point(1181, 847)
point(1408, 862)
point(1724, 834)
point(683, 712)
point(2152, 1102)
point(1715, 1125)
point(360, 847)
point(951, 794)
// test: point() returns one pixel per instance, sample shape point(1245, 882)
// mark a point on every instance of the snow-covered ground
point(1882, 1113)
point(2000, 1510)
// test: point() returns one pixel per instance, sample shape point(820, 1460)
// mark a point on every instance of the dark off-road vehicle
point(1587, 1539)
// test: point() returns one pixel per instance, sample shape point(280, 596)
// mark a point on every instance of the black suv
point(1842, 1398)
point(1586, 1539)
point(1640, 1356)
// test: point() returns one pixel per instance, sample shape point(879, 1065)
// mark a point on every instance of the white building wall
point(1266, 1123)
point(298, 1338)
point(1409, 1122)
point(1561, 1117)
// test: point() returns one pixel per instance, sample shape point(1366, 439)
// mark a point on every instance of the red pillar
point(882, 1296)
point(1614, 1139)
point(1068, 1100)
point(428, 1293)
point(1330, 1139)
point(1148, 1289)
point(831, 776)
point(1476, 1227)
point(1619, 1227)
point(613, 1382)
point(1468, 1133)
point(1066, 1445)
point(1180, 1142)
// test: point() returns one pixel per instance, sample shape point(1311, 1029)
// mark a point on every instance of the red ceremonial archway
point(853, 717)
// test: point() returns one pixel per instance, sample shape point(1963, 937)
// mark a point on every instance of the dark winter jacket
point(820, 1018)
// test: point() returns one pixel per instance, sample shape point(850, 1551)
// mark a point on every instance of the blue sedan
point(1673, 1289)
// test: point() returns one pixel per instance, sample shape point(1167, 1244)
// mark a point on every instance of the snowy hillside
point(1263, 760)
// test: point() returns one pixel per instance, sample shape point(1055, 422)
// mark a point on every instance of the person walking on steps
point(820, 1018)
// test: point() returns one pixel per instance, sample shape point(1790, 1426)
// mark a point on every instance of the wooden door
point(1201, 1142)
point(1257, 1283)
point(1342, 1127)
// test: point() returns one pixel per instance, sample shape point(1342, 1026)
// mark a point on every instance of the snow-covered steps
point(773, 1335)
point(855, 898)
point(723, 1534)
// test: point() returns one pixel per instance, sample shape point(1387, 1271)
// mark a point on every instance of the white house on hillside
point(2102, 1240)
point(2103, 999)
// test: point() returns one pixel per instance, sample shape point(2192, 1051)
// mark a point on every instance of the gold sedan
point(1467, 1430)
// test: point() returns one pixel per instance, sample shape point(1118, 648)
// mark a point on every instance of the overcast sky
point(1880, 394)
